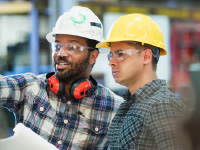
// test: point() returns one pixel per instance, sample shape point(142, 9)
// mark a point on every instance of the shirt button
point(59, 142)
point(41, 108)
point(68, 102)
point(96, 129)
point(65, 121)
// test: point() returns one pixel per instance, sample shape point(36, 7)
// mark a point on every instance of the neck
point(69, 83)
point(145, 79)
point(67, 87)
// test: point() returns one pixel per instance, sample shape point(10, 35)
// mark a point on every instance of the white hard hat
point(78, 21)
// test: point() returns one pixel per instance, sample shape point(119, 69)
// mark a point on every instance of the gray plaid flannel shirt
point(148, 120)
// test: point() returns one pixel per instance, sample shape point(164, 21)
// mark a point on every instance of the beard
point(76, 68)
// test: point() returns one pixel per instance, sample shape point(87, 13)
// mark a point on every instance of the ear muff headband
point(79, 89)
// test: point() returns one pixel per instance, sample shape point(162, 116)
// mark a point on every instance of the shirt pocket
point(91, 134)
point(131, 128)
point(42, 118)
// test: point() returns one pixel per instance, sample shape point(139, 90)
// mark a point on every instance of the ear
point(93, 56)
point(147, 56)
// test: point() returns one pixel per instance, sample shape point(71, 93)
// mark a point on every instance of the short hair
point(155, 52)
point(92, 43)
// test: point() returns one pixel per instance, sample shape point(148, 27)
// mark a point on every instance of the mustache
point(62, 59)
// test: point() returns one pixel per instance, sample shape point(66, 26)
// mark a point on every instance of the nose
point(63, 52)
point(113, 62)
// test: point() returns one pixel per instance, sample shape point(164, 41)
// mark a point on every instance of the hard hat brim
point(163, 52)
point(51, 36)
point(105, 44)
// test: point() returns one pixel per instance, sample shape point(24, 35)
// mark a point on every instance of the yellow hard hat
point(135, 27)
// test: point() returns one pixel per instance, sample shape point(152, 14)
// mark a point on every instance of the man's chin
point(62, 71)
point(60, 74)
point(117, 80)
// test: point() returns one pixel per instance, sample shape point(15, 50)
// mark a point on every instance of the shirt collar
point(145, 91)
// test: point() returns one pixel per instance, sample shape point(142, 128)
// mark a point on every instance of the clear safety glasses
point(69, 48)
point(122, 54)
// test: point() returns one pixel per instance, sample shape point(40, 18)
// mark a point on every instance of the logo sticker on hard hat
point(78, 19)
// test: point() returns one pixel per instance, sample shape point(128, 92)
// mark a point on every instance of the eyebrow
point(117, 50)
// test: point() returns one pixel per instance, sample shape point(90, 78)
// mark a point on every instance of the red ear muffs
point(56, 86)
point(79, 89)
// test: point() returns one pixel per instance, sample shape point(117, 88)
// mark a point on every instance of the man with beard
point(68, 108)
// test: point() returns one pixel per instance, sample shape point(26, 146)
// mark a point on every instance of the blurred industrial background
point(25, 23)
point(24, 48)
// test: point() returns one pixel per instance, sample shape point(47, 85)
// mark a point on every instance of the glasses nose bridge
point(64, 50)
point(113, 60)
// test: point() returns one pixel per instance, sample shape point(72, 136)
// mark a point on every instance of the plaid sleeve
point(165, 125)
point(14, 88)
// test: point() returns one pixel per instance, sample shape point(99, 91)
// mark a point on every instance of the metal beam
point(15, 7)
point(34, 39)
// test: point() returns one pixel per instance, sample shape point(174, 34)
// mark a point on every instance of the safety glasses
point(122, 54)
point(69, 48)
